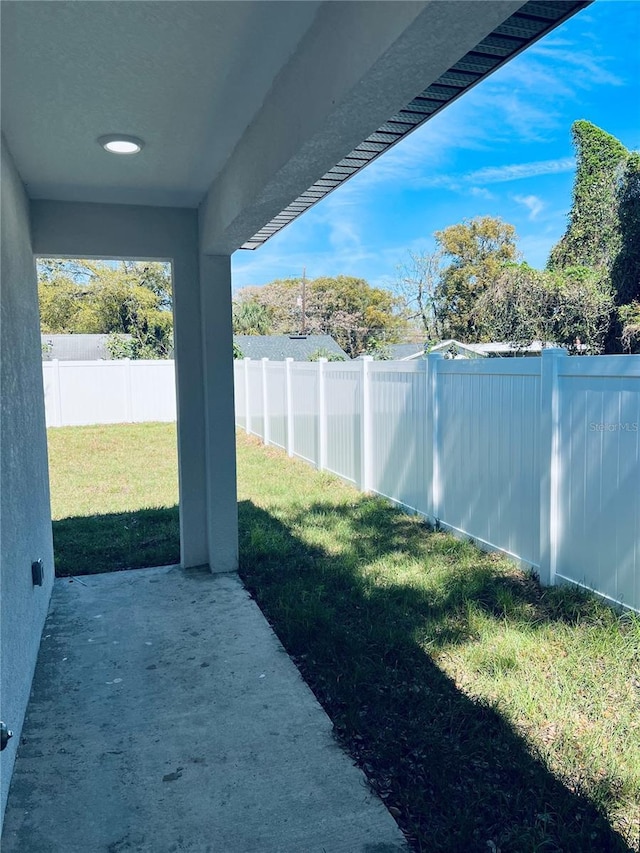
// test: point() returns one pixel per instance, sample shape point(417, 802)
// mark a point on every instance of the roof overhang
point(521, 29)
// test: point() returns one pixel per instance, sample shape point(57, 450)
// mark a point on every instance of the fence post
point(57, 394)
point(365, 425)
point(433, 408)
point(549, 462)
point(128, 402)
point(289, 404)
point(322, 417)
point(247, 407)
point(265, 402)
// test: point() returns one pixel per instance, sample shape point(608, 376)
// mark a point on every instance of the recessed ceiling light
point(118, 143)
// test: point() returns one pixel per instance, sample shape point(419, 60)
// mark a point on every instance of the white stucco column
point(194, 543)
point(218, 396)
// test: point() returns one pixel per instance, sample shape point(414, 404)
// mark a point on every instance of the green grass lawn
point(488, 713)
point(114, 497)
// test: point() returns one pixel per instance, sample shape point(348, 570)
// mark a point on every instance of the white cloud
point(481, 192)
point(533, 204)
point(586, 71)
point(518, 171)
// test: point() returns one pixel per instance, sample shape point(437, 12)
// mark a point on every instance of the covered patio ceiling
point(251, 111)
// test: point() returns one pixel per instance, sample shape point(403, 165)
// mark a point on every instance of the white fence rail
point(535, 457)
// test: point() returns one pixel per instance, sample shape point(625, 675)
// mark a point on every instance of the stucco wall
point(25, 517)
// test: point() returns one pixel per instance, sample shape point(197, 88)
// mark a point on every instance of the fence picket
point(322, 415)
point(289, 407)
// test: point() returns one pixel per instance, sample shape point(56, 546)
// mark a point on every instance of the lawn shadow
point(454, 772)
point(86, 545)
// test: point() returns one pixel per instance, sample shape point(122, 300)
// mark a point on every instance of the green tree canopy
point(96, 297)
point(477, 251)
point(355, 314)
point(251, 318)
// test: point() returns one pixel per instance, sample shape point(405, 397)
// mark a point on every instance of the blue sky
point(503, 149)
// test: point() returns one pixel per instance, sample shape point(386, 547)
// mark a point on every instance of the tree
point(121, 346)
point(61, 303)
point(251, 318)
point(418, 282)
point(569, 307)
point(281, 301)
point(355, 314)
point(625, 271)
point(512, 307)
point(593, 236)
point(478, 249)
point(604, 224)
point(323, 352)
point(95, 297)
point(629, 317)
point(581, 309)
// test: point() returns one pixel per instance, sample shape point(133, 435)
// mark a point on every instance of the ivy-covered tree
point(604, 226)
point(625, 272)
point(570, 307)
point(629, 317)
point(593, 236)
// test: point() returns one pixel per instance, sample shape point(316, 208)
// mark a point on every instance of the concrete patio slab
point(166, 716)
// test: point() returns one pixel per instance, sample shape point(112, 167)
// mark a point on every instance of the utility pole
point(303, 331)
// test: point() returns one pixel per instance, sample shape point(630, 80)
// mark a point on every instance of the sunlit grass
point(112, 468)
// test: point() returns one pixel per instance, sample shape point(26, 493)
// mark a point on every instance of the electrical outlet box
point(37, 573)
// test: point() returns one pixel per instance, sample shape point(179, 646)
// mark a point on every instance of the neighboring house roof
point(487, 350)
point(76, 347)
point(400, 352)
point(280, 347)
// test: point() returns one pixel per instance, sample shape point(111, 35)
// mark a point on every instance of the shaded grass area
point(114, 495)
point(488, 713)
point(86, 545)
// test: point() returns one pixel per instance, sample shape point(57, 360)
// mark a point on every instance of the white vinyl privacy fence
point(108, 392)
point(536, 457)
